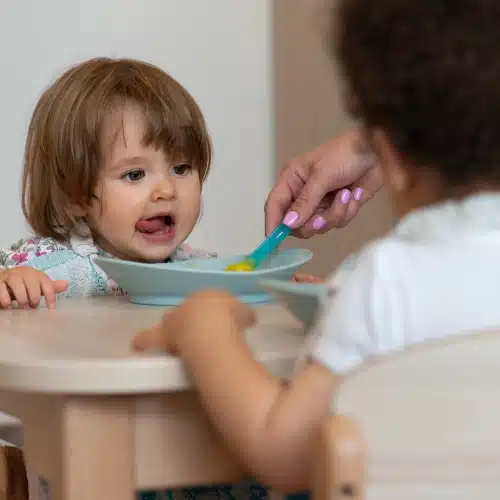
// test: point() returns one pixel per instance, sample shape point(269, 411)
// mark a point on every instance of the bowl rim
point(314, 290)
point(304, 256)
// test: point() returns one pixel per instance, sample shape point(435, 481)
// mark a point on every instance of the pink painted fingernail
point(319, 223)
point(358, 194)
point(345, 196)
point(291, 218)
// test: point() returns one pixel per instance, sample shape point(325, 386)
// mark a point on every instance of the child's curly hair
point(428, 73)
point(64, 148)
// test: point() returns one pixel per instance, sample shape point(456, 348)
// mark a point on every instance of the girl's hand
point(27, 285)
point(201, 314)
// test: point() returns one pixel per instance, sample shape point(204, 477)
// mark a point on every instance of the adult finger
point(329, 214)
point(345, 206)
point(290, 183)
point(277, 204)
point(308, 199)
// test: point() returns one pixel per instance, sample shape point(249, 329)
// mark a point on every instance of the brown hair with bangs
point(64, 152)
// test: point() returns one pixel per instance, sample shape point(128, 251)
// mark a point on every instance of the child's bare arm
point(271, 424)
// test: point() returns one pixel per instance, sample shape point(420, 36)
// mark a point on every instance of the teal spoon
point(263, 251)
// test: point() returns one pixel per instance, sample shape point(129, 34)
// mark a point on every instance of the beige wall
point(308, 111)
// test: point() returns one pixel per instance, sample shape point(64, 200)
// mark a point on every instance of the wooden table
point(101, 421)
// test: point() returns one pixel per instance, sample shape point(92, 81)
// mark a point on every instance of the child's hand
point(306, 278)
point(202, 313)
point(27, 285)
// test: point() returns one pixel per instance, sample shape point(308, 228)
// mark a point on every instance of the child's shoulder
point(29, 247)
point(373, 266)
point(39, 242)
point(367, 257)
point(185, 252)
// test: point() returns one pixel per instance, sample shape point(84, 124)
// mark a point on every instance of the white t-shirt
point(435, 275)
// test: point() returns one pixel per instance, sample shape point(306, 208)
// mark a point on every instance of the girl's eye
point(182, 169)
point(134, 175)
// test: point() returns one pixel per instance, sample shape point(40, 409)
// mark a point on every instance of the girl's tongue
point(153, 225)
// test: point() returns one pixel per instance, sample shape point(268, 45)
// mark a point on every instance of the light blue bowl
point(169, 284)
point(301, 299)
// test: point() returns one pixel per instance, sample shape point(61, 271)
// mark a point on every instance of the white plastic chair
point(420, 424)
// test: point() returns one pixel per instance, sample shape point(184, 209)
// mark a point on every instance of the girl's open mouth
point(160, 228)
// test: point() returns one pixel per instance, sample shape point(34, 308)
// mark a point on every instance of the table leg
point(97, 444)
point(92, 451)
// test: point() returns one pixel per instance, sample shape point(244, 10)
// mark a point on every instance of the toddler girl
point(116, 155)
point(423, 79)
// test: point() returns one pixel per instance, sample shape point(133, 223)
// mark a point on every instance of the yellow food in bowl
point(242, 267)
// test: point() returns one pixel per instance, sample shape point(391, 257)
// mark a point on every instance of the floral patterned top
point(72, 261)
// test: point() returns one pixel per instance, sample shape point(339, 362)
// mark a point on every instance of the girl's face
point(146, 204)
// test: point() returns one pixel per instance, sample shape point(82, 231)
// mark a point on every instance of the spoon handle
point(269, 245)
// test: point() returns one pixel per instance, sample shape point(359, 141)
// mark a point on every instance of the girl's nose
point(164, 190)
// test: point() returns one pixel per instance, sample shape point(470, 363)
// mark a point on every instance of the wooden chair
point(420, 424)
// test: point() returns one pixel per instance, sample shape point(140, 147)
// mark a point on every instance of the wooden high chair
point(423, 424)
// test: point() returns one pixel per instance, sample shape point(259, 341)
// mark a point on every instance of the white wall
point(220, 50)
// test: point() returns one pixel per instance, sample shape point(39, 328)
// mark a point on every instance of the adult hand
point(324, 188)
